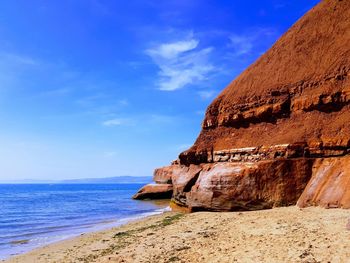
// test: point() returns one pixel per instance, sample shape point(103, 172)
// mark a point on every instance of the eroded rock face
point(154, 191)
point(249, 186)
point(163, 175)
point(284, 120)
point(229, 186)
point(183, 179)
point(330, 184)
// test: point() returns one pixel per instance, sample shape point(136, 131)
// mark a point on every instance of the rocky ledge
point(154, 191)
point(261, 177)
point(279, 134)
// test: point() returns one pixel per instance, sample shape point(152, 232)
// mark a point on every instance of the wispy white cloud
point(12, 68)
point(56, 92)
point(173, 50)
point(102, 104)
point(123, 102)
point(118, 122)
point(206, 94)
point(17, 59)
point(241, 44)
point(110, 154)
point(149, 119)
point(245, 44)
point(181, 63)
point(90, 100)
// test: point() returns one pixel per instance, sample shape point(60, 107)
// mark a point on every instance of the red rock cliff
point(275, 126)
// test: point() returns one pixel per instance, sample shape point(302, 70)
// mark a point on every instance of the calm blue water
point(35, 215)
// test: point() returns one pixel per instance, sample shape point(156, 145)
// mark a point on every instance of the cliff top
point(298, 91)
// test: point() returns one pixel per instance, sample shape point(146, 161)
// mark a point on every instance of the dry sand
point(278, 235)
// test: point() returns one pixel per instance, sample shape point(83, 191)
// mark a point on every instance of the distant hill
point(110, 180)
point(107, 180)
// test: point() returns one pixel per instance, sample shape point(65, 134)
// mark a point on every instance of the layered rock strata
point(281, 130)
point(262, 177)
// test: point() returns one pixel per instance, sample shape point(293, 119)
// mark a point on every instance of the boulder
point(154, 191)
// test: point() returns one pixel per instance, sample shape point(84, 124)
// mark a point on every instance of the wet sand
point(285, 234)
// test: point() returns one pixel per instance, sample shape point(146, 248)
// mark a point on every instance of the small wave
point(143, 215)
point(43, 220)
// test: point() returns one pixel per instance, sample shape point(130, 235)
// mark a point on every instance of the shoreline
point(22, 247)
point(276, 235)
point(31, 256)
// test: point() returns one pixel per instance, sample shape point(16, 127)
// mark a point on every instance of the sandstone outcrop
point(330, 184)
point(154, 191)
point(249, 186)
point(280, 130)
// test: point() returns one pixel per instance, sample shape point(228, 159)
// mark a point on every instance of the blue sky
point(99, 88)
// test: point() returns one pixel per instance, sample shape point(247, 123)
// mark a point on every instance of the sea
point(34, 215)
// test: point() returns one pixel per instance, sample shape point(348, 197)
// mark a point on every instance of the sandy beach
point(285, 234)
